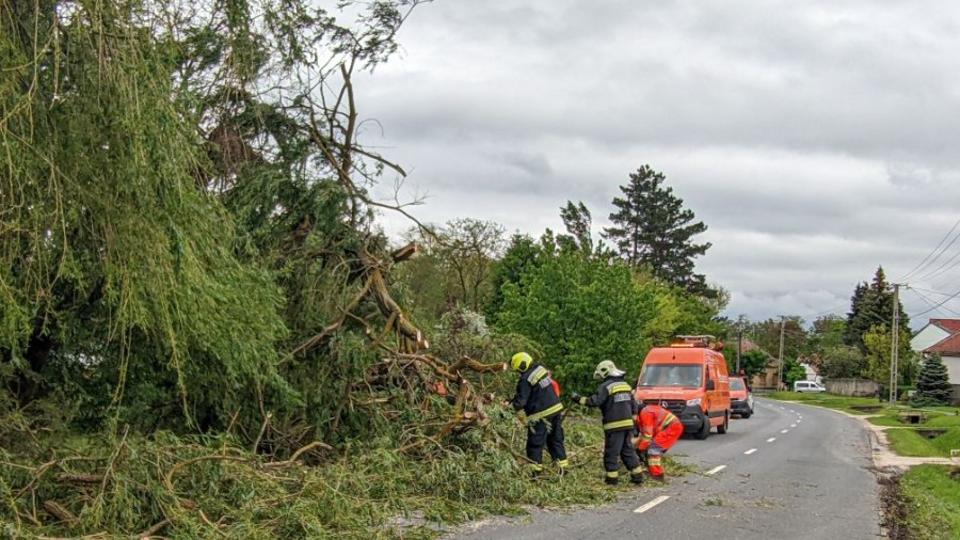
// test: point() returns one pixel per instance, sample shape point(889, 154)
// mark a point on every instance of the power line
point(930, 303)
point(930, 291)
point(944, 301)
point(943, 268)
point(935, 250)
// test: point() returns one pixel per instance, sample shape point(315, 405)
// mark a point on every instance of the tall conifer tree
point(652, 228)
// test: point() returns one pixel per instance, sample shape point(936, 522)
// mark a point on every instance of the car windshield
point(736, 384)
point(671, 375)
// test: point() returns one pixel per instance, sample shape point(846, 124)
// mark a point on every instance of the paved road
point(790, 471)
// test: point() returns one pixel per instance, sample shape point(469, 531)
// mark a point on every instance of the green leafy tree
point(933, 384)
point(523, 254)
point(766, 334)
point(751, 362)
point(651, 228)
point(827, 333)
point(581, 311)
point(842, 361)
point(792, 372)
point(577, 221)
point(878, 343)
point(454, 267)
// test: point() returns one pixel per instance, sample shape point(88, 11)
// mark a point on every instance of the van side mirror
point(711, 385)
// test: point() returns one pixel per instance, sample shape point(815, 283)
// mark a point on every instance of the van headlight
point(693, 402)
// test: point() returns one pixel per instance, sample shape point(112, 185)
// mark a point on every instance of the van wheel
point(746, 415)
point(722, 428)
point(704, 430)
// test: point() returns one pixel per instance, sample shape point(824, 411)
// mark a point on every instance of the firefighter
point(615, 398)
point(659, 431)
point(537, 397)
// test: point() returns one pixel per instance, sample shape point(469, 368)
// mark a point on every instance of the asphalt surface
point(813, 481)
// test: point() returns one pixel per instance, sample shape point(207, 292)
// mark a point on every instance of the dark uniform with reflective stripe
point(615, 399)
point(536, 396)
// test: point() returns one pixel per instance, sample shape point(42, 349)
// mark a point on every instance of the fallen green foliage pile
point(932, 496)
point(196, 487)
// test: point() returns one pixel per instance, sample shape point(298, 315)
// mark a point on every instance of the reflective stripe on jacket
point(653, 419)
point(615, 399)
point(535, 394)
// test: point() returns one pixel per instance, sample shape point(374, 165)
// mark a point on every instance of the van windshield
point(736, 384)
point(671, 375)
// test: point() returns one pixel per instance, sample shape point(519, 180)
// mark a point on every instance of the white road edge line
point(715, 470)
point(771, 439)
point(750, 451)
point(651, 504)
point(784, 431)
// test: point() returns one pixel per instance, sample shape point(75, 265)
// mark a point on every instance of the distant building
point(766, 379)
point(942, 336)
point(811, 373)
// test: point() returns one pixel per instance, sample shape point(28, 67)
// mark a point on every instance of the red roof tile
point(951, 345)
point(950, 325)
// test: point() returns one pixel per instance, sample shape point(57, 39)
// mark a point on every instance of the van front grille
point(675, 406)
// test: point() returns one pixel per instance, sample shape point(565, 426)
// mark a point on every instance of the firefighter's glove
point(575, 397)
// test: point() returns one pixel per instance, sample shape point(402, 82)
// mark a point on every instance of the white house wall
point(929, 336)
point(953, 368)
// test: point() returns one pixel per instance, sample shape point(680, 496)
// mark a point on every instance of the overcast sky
point(816, 139)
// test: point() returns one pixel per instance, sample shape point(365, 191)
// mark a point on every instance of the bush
point(581, 311)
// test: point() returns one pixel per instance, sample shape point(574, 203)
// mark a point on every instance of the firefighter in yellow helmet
point(615, 399)
point(538, 397)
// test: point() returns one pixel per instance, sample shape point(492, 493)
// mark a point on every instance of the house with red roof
point(942, 336)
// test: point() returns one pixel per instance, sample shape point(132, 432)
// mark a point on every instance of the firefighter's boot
point(636, 475)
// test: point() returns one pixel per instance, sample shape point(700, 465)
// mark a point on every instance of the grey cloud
point(536, 165)
point(814, 138)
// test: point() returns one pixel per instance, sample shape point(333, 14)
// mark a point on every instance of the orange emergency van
point(689, 378)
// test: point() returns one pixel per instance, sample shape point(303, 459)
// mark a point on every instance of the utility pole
point(739, 341)
point(783, 323)
point(895, 344)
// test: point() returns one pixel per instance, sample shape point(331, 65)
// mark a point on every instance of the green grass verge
point(933, 502)
point(934, 419)
point(830, 401)
point(907, 442)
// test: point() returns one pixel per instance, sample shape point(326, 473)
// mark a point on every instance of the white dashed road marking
point(793, 425)
point(771, 439)
point(750, 451)
point(651, 504)
point(784, 431)
point(715, 470)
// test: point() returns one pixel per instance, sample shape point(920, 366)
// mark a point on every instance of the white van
point(808, 386)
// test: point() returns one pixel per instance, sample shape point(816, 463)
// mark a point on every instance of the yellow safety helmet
point(521, 361)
